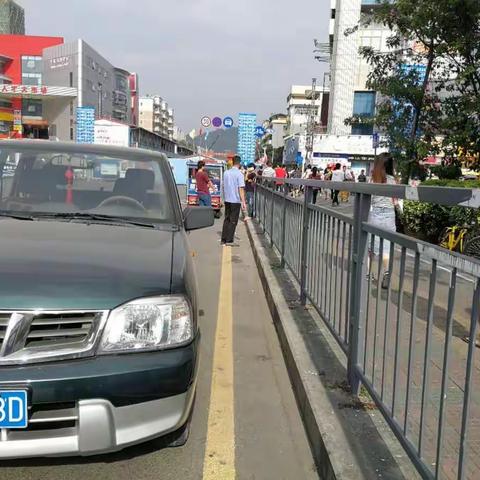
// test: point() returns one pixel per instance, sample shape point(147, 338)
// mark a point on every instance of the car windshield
point(65, 183)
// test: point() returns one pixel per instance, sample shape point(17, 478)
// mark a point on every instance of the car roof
point(82, 148)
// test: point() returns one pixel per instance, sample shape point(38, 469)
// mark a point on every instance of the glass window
point(364, 104)
point(78, 182)
point(32, 64)
point(32, 79)
point(32, 108)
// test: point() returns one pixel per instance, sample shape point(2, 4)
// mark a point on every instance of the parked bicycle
point(462, 239)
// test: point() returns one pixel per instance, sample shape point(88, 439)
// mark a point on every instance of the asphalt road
point(245, 426)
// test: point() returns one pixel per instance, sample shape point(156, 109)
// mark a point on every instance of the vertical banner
point(85, 125)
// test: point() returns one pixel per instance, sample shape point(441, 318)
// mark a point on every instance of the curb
point(347, 442)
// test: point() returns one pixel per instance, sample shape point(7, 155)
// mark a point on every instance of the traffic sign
point(217, 122)
point(206, 122)
point(228, 122)
point(376, 140)
point(259, 131)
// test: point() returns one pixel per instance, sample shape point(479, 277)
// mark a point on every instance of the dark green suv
point(98, 307)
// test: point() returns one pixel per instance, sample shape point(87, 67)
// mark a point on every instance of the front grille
point(50, 330)
point(35, 337)
point(4, 318)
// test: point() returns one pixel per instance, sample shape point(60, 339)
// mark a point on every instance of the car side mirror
point(195, 218)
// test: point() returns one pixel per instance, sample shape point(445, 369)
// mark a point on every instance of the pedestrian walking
point(315, 175)
point(347, 177)
point(362, 178)
point(337, 176)
point(280, 172)
point(234, 197)
point(382, 211)
point(268, 171)
point(327, 176)
point(204, 185)
point(250, 181)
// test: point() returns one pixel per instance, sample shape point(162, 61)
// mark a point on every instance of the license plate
point(13, 409)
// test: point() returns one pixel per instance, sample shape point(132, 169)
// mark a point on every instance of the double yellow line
point(219, 460)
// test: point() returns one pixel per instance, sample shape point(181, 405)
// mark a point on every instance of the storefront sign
point(59, 62)
point(24, 89)
point(17, 117)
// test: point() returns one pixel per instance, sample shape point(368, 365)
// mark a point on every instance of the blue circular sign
point(259, 131)
point(228, 122)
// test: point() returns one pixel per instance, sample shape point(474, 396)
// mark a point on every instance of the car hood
point(65, 265)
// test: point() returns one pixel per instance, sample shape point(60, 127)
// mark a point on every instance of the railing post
point(303, 253)
point(284, 226)
point(271, 215)
point(264, 201)
point(360, 240)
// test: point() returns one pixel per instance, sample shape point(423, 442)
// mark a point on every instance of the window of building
point(32, 79)
point(32, 64)
point(363, 106)
point(71, 79)
point(32, 108)
point(71, 134)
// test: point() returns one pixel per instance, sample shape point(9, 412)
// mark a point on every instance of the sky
point(204, 57)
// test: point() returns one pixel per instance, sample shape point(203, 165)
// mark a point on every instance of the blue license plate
point(13, 409)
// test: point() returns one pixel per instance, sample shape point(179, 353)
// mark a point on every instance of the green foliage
point(452, 171)
point(427, 220)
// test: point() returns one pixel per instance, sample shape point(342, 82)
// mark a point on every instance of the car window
point(52, 182)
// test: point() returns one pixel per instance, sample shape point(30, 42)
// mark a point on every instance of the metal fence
point(410, 342)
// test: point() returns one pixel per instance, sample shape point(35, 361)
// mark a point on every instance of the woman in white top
point(382, 210)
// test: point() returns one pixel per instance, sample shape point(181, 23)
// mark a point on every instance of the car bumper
point(101, 404)
point(100, 428)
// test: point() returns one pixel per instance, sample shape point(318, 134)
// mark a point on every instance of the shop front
point(34, 109)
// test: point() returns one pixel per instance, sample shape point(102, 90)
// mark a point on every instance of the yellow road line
point(220, 451)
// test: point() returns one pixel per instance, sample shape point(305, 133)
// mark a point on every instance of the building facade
point(156, 116)
point(349, 95)
point(27, 98)
point(12, 18)
point(299, 106)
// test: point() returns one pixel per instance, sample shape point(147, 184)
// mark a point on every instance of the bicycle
point(464, 240)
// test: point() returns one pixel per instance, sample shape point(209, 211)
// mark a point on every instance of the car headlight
point(148, 324)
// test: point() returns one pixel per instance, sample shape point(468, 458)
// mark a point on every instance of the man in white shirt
point(268, 172)
point(337, 176)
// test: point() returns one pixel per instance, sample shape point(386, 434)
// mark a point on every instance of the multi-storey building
point(246, 137)
point(349, 95)
point(156, 116)
point(12, 18)
point(43, 80)
point(299, 108)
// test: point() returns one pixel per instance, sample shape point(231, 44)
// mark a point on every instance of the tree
point(428, 82)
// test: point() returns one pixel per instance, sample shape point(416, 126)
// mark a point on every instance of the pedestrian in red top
point(204, 184)
point(280, 172)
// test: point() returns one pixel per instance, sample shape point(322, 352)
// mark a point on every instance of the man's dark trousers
point(232, 213)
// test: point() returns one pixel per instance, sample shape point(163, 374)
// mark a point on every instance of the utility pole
point(310, 136)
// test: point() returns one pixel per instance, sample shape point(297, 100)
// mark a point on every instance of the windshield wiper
point(95, 218)
point(16, 216)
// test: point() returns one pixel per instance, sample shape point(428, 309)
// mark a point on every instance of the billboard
point(247, 123)
point(85, 125)
point(112, 133)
